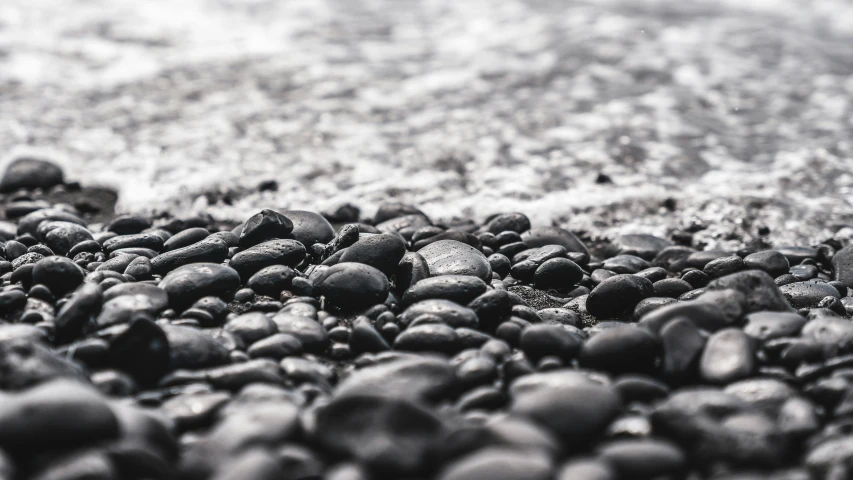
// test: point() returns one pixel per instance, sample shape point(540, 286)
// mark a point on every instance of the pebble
point(542, 340)
point(59, 274)
point(807, 294)
point(309, 227)
point(189, 283)
point(263, 226)
point(771, 261)
point(272, 252)
point(729, 355)
point(270, 281)
point(62, 237)
point(622, 349)
point(29, 173)
point(625, 264)
point(574, 410)
point(353, 286)
point(449, 257)
point(618, 295)
point(542, 236)
point(138, 240)
point(307, 331)
point(457, 288)
point(450, 313)
point(557, 274)
point(644, 458)
point(382, 252)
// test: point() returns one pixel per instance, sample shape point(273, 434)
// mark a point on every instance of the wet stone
point(263, 226)
point(729, 355)
point(771, 261)
point(273, 252)
point(187, 284)
point(618, 296)
point(641, 245)
point(807, 294)
point(353, 286)
point(449, 257)
point(457, 288)
point(541, 236)
point(30, 173)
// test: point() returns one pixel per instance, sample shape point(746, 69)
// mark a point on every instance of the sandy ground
point(740, 111)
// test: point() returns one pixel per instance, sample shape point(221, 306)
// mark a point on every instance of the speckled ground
point(740, 111)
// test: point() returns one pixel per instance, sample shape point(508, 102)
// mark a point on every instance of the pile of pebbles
point(297, 345)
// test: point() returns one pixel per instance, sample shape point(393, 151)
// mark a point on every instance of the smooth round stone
point(512, 222)
point(771, 261)
point(187, 284)
point(117, 264)
point(640, 388)
point(541, 236)
point(449, 257)
point(450, 313)
point(270, 281)
point(765, 326)
point(500, 463)
point(28, 224)
point(830, 332)
point(625, 264)
point(185, 238)
point(14, 249)
point(54, 415)
point(139, 268)
point(722, 266)
point(142, 351)
point(128, 224)
point(276, 346)
point(308, 331)
point(807, 294)
point(393, 435)
point(758, 287)
point(618, 296)
point(461, 289)
point(382, 252)
point(422, 378)
point(766, 394)
point(696, 278)
point(671, 287)
point(574, 410)
point(654, 274)
point(137, 240)
point(263, 226)
point(251, 327)
point(729, 356)
point(558, 274)
point(272, 252)
point(682, 344)
point(642, 245)
point(651, 304)
point(59, 274)
point(61, 237)
point(353, 286)
point(547, 339)
point(309, 227)
point(208, 250)
point(193, 349)
point(30, 173)
point(623, 349)
point(428, 338)
point(365, 339)
point(644, 458)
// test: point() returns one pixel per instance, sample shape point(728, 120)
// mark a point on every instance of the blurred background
point(729, 118)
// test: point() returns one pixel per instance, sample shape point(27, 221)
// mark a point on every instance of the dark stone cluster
point(299, 345)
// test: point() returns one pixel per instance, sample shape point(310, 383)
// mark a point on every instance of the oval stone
point(449, 257)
